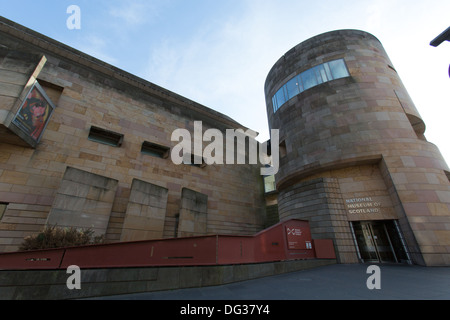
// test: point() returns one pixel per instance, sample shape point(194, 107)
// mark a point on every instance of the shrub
point(53, 237)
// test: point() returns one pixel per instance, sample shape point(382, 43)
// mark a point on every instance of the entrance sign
point(362, 205)
point(294, 238)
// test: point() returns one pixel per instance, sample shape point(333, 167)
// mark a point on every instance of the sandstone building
point(354, 158)
point(86, 145)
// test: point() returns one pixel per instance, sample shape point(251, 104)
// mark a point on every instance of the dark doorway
point(379, 241)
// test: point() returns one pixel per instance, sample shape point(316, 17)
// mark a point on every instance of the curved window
point(310, 78)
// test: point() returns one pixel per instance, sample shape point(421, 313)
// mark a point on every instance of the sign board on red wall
point(294, 238)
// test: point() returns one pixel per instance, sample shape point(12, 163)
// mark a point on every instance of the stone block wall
point(84, 201)
point(193, 214)
point(51, 284)
point(363, 119)
point(89, 92)
point(146, 212)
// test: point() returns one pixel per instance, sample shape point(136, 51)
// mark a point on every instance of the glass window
point(105, 136)
point(269, 184)
point(300, 84)
point(338, 69)
point(319, 75)
point(322, 73)
point(281, 99)
point(309, 79)
point(326, 66)
point(155, 150)
point(275, 104)
point(292, 88)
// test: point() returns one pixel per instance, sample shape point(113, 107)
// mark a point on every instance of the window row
point(115, 139)
point(310, 78)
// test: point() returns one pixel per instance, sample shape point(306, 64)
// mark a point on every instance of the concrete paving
point(335, 282)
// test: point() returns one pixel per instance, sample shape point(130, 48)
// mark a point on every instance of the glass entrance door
point(378, 241)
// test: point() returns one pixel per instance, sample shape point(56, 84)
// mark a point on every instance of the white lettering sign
point(363, 205)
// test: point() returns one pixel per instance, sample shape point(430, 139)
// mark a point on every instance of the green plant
point(53, 237)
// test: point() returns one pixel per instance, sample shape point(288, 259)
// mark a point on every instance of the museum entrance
point(379, 241)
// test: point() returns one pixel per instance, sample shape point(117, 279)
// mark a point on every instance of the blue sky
point(218, 53)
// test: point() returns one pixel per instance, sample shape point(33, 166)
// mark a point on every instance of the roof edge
point(57, 48)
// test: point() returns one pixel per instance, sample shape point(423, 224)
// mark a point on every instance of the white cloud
point(97, 47)
point(136, 12)
point(224, 65)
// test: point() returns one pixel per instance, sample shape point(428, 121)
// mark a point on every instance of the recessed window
point(155, 150)
point(308, 79)
point(269, 184)
point(2, 209)
point(194, 160)
point(282, 149)
point(105, 136)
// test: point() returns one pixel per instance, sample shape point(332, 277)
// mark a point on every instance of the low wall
point(290, 240)
point(51, 284)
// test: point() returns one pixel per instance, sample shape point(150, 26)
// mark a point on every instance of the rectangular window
point(318, 75)
point(105, 136)
point(300, 84)
point(338, 69)
point(155, 150)
point(196, 161)
point(275, 104)
point(292, 88)
point(269, 184)
point(282, 149)
point(322, 73)
point(328, 71)
point(309, 79)
point(281, 99)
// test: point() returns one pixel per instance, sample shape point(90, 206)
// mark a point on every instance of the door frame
point(369, 227)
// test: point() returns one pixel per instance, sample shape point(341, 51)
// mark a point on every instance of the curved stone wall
point(363, 120)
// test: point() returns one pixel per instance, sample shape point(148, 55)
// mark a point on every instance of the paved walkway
point(336, 282)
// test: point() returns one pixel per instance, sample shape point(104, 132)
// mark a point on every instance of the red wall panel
point(171, 252)
point(290, 240)
point(32, 260)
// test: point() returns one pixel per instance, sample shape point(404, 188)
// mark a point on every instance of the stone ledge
point(51, 285)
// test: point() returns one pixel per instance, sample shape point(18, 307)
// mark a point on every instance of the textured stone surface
point(93, 93)
point(146, 212)
point(194, 214)
point(83, 200)
point(51, 285)
point(367, 119)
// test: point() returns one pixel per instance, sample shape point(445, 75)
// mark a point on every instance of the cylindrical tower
point(354, 160)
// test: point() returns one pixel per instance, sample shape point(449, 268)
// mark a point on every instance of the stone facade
point(70, 179)
point(356, 144)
